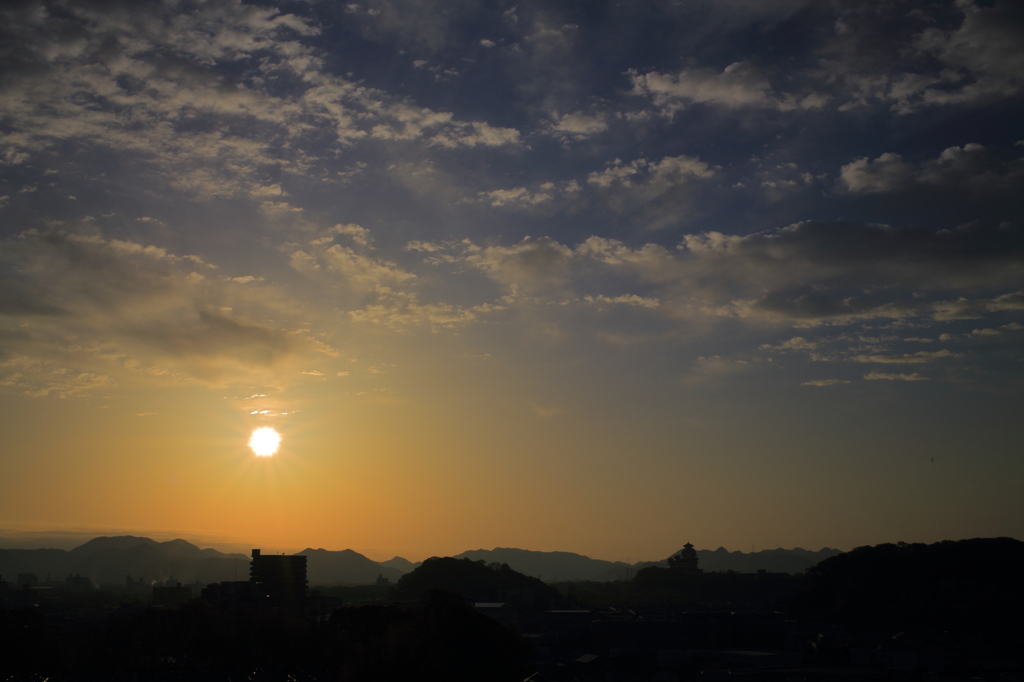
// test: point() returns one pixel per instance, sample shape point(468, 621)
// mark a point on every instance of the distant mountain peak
point(345, 567)
point(347, 552)
point(178, 542)
point(112, 542)
point(107, 559)
point(401, 564)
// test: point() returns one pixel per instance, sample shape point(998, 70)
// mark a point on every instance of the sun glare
point(264, 441)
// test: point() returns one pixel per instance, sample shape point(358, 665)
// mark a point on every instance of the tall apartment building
point(278, 578)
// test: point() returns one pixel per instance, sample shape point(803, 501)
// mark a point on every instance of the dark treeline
point(970, 586)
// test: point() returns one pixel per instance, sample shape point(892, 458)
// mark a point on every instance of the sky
point(585, 276)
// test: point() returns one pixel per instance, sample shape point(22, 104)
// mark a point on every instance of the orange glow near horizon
point(403, 477)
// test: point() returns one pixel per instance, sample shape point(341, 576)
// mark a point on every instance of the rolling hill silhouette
point(550, 566)
point(567, 566)
point(345, 567)
point(403, 565)
point(107, 560)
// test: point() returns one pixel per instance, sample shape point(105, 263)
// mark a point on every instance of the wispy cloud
point(738, 85)
point(882, 376)
point(135, 311)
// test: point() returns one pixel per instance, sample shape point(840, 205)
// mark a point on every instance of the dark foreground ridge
point(904, 612)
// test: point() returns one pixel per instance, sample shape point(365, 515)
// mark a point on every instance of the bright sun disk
point(264, 441)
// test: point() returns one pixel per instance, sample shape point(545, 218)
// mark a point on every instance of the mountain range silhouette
point(108, 560)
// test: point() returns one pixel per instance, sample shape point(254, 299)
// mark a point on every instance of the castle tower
point(685, 560)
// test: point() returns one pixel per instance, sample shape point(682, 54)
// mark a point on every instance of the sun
point(264, 441)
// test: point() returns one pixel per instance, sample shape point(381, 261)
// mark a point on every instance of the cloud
point(925, 58)
point(577, 125)
point(650, 262)
point(404, 312)
point(357, 233)
point(148, 83)
point(824, 382)
point(357, 265)
point(524, 197)
point(832, 254)
point(40, 379)
point(675, 169)
point(374, 290)
point(889, 171)
point(997, 331)
point(229, 100)
point(365, 270)
point(988, 45)
point(474, 134)
point(971, 166)
point(671, 170)
point(806, 273)
point(517, 195)
point(428, 247)
point(624, 299)
point(882, 376)
point(660, 192)
point(798, 343)
point(970, 309)
point(403, 121)
point(133, 312)
point(215, 336)
point(919, 357)
point(781, 180)
point(268, 191)
point(529, 265)
point(739, 85)
point(617, 173)
point(78, 76)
